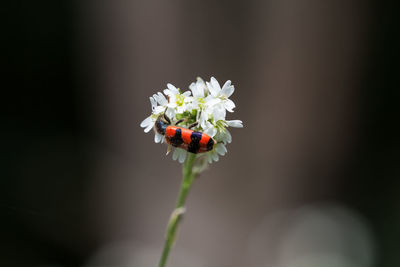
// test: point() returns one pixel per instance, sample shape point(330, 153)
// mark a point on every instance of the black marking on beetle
point(177, 140)
point(194, 146)
point(160, 126)
point(210, 144)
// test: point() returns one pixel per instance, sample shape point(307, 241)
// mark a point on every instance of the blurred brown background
point(311, 180)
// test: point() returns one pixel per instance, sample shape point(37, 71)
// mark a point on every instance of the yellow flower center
point(180, 99)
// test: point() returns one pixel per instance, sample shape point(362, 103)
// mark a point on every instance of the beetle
point(185, 138)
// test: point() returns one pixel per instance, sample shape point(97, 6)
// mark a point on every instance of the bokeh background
point(311, 180)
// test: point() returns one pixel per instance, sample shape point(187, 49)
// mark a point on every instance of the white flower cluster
point(205, 103)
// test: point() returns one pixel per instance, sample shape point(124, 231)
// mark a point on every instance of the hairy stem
point(187, 180)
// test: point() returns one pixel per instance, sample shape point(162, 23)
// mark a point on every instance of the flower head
point(177, 102)
point(206, 103)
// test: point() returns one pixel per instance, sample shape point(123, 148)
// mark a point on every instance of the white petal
point(187, 99)
point(194, 105)
point(221, 149)
point(215, 157)
point(193, 88)
point(158, 110)
point(155, 96)
point(153, 103)
point(158, 137)
point(172, 105)
point(229, 105)
point(172, 88)
point(213, 90)
point(149, 127)
point(161, 99)
point(219, 113)
point(200, 81)
point(197, 88)
point(209, 157)
point(175, 155)
point(211, 101)
point(201, 86)
point(211, 131)
point(235, 123)
point(190, 107)
point(215, 83)
point(182, 156)
point(146, 122)
point(180, 109)
point(187, 93)
point(227, 89)
point(203, 120)
point(170, 113)
point(228, 136)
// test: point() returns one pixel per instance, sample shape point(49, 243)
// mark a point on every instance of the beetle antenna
point(181, 120)
point(193, 125)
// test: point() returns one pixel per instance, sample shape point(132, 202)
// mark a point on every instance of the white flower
point(205, 103)
point(213, 112)
point(216, 103)
point(219, 95)
point(177, 100)
point(160, 99)
point(156, 99)
point(158, 105)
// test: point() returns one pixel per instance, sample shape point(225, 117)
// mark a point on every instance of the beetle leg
point(169, 149)
point(181, 120)
point(193, 125)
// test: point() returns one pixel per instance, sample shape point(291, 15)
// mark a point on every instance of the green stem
point(187, 180)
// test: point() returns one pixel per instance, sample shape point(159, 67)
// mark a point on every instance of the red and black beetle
point(185, 138)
